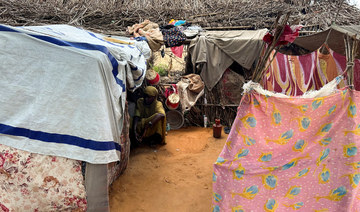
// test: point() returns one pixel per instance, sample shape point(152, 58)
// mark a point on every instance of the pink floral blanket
point(34, 182)
point(286, 154)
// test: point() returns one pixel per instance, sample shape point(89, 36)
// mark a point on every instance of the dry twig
point(115, 15)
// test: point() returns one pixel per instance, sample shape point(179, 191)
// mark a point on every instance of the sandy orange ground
point(174, 177)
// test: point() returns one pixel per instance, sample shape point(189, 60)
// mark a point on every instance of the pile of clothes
point(172, 35)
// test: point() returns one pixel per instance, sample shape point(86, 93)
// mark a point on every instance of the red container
point(217, 127)
point(154, 81)
point(172, 102)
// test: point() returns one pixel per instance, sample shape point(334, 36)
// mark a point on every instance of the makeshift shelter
point(278, 143)
point(217, 50)
point(334, 37)
point(223, 59)
point(63, 98)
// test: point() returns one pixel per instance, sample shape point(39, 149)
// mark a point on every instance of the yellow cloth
point(147, 113)
point(151, 31)
point(151, 91)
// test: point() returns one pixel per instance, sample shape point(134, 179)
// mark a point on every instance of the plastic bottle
point(205, 121)
point(217, 127)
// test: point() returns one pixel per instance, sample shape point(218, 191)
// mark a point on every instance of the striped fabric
point(294, 75)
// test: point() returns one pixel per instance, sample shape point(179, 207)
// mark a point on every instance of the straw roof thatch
point(113, 16)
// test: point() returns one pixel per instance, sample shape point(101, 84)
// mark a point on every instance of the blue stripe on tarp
point(7, 29)
point(134, 68)
point(136, 86)
point(59, 138)
point(142, 73)
point(85, 46)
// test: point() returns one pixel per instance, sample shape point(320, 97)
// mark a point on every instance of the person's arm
point(158, 115)
point(154, 119)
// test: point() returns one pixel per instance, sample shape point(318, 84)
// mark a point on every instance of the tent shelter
point(334, 37)
point(217, 50)
point(212, 54)
point(63, 94)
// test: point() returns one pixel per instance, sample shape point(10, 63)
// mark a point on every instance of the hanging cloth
point(295, 75)
point(288, 153)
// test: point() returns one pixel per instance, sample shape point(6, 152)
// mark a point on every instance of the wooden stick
point(279, 29)
point(228, 27)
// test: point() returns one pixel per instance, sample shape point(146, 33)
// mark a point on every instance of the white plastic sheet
point(62, 91)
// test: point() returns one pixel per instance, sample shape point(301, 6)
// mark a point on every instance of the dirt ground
point(175, 177)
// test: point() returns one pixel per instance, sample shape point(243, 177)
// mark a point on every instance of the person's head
point(150, 94)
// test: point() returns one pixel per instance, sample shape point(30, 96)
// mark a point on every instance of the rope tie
point(349, 64)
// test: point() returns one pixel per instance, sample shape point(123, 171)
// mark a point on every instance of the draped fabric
point(217, 50)
point(293, 153)
point(294, 75)
point(147, 113)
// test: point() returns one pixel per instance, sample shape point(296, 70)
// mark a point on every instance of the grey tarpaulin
point(335, 40)
point(219, 49)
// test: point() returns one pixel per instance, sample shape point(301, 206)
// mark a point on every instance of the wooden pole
point(279, 29)
point(351, 45)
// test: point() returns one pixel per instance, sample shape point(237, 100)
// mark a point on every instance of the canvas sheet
point(294, 75)
point(219, 49)
point(63, 91)
point(333, 36)
point(286, 154)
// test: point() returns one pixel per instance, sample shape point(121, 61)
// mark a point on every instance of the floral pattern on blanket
point(115, 169)
point(34, 182)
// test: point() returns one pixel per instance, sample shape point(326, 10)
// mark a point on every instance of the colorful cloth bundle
point(173, 36)
point(294, 153)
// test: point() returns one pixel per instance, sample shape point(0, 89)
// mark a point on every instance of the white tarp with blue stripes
point(63, 90)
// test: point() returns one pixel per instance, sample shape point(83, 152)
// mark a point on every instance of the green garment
point(146, 113)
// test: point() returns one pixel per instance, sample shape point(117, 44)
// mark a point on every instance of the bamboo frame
point(263, 60)
point(351, 46)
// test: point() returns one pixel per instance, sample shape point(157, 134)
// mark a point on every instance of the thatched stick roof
point(113, 16)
